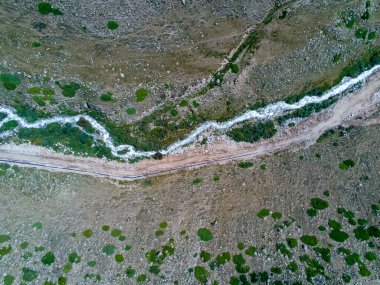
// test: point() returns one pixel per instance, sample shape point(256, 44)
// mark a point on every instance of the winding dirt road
point(360, 103)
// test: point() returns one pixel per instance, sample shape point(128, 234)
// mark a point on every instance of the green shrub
point(141, 94)
point(106, 97)
point(336, 58)
point(7, 126)
point(349, 163)
point(87, 233)
point(263, 213)
point(70, 89)
point(112, 25)
point(361, 33)
point(338, 235)
point(319, 204)
point(197, 181)
point(205, 234)
point(10, 81)
point(245, 164)
point(205, 256)
point(371, 36)
point(276, 215)
point(309, 240)
point(184, 103)
point(235, 68)
point(131, 111)
point(48, 258)
point(201, 274)
point(292, 242)
point(312, 212)
point(250, 251)
point(252, 132)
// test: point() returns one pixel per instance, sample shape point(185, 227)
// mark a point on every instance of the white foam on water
point(268, 112)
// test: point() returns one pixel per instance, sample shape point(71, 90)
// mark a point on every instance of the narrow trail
point(363, 101)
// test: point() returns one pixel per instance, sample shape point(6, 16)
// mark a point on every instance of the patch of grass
point(184, 103)
point(319, 204)
point(201, 274)
point(324, 253)
point(8, 279)
point(216, 178)
point(283, 250)
point(292, 242)
point(10, 125)
point(112, 25)
point(309, 240)
point(293, 266)
point(250, 251)
point(253, 132)
point(361, 33)
point(197, 181)
point(263, 213)
point(34, 90)
point(372, 36)
point(87, 233)
point(28, 275)
point(159, 233)
point(141, 94)
point(70, 89)
point(105, 228)
point(154, 269)
point(205, 256)
point(142, 278)
point(48, 258)
point(4, 238)
point(130, 272)
point(106, 97)
point(349, 163)
point(116, 232)
point(235, 68)
point(119, 258)
point(109, 249)
point(312, 212)
point(338, 235)
point(205, 234)
point(276, 215)
point(131, 111)
point(74, 257)
point(245, 164)
point(10, 81)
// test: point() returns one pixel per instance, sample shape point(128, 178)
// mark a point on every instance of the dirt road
point(360, 103)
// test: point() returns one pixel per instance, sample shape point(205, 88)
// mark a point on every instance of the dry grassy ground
point(66, 204)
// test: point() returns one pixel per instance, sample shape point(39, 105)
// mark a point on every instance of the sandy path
point(359, 103)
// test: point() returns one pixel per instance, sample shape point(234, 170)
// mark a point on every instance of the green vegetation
point(119, 258)
point(370, 256)
point(28, 275)
point(309, 240)
point(45, 8)
point(37, 226)
point(154, 269)
point(324, 253)
point(10, 125)
point(184, 103)
point(87, 233)
point(159, 233)
point(336, 58)
point(131, 111)
point(70, 89)
point(48, 258)
point(283, 250)
point(10, 81)
point(8, 279)
point(205, 234)
point(250, 251)
point(292, 242)
point(116, 232)
point(163, 225)
point(197, 181)
point(205, 256)
point(252, 132)
point(112, 25)
point(319, 204)
point(141, 278)
point(235, 68)
point(109, 249)
point(74, 257)
point(263, 213)
point(4, 238)
point(338, 235)
point(372, 36)
point(106, 97)
point(130, 272)
point(105, 228)
point(245, 164)
point(276, 215)
point(349, 163)
point(307, 110)
point(201, 274)
point(312, 212)
point(361, 33)
point(141, 94)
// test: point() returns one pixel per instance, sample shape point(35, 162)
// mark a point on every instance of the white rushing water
point(268, 112)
